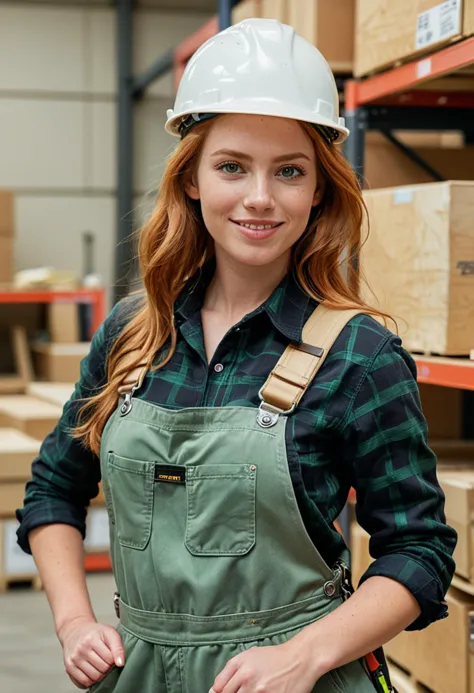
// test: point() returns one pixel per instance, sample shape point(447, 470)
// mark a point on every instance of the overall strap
point(299, 363)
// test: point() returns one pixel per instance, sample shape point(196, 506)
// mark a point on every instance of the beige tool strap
point(295, 370)
point(134, 378)
point(299, 363)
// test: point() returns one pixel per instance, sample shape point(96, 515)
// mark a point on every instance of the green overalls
point(209, 550)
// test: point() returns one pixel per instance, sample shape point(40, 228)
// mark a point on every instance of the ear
point(192, 189)
point(317, 197)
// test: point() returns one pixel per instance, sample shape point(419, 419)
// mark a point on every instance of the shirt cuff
point(427, 590)
point(48, 512)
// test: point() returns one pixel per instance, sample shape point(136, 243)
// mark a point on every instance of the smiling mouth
point(258, 227)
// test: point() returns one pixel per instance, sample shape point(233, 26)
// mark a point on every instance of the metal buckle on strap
point(117, 604)
point(345, 578)
point(268, 415)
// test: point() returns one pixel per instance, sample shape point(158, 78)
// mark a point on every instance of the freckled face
point(256, 181)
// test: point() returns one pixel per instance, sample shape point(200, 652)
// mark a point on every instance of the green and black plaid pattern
point(359, 424)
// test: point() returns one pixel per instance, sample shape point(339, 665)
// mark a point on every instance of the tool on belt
point(375, 662)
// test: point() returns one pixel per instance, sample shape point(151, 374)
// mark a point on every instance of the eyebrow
point(247, 157)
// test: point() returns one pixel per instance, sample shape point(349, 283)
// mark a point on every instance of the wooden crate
point(389, 32)
point(419, 263)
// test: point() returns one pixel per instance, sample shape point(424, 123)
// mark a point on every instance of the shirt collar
point(288, 307)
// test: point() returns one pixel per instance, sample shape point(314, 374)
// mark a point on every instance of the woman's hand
point(90, 650)
point(276, 669)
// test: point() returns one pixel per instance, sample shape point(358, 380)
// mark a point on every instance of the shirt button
point(218, 368)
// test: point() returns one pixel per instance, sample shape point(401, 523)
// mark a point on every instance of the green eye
point(290, 172)
point(231, 168)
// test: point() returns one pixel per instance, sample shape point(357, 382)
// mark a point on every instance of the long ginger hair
point(174, 244)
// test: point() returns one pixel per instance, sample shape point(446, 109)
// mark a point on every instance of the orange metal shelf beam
point(411, 75)
point(96, 298)
point(449, 372)
point(97, 562)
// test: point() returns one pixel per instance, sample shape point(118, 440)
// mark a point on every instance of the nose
point(259, 194)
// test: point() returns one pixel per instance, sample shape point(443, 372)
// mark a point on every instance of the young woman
point(222, 484)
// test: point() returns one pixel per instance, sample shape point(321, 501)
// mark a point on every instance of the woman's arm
point(378, 611)
point(59, 555)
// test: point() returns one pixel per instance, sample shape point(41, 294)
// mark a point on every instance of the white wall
point(58, 124)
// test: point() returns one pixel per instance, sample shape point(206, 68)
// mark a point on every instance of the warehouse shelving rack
point(435, 92)
point(93, 297)
point(421, 95)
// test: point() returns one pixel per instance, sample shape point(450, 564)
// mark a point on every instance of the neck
point(236, 289)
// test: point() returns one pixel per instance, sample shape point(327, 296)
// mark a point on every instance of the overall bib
point(209, 550)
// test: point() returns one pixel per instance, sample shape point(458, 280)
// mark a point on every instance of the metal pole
point(354, 147)
point(123, 249)
point(225, 13)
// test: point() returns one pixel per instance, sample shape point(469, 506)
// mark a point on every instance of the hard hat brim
point(272, 110)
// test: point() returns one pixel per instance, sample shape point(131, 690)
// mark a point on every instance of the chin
point(251, 258)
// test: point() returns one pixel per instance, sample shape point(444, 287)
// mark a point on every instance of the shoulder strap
point(299, 363)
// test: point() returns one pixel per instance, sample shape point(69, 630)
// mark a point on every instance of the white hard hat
point(262, 67)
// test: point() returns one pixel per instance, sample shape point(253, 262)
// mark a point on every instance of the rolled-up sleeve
point(65, 475)
point(399, 500)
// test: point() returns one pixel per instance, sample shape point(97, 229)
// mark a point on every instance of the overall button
point(218, 368)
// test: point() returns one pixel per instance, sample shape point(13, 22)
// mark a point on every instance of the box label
point(404, 196)
point(438, 24)
point(15, 561)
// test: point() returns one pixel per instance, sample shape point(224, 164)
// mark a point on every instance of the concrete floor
point(30, 654)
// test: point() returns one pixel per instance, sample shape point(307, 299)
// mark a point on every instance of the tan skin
point(272, 179)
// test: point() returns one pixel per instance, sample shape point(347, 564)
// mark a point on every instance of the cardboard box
point(439, 656)
point(13, 561)
point(30, 415)
point(419, 263)
point(458, 487)
point(6, 214)
point(7, 261)
point(63, 322)
point(11, 497)
point(56, 393)
point(389, 32)
point(386, 166)
point(59, 363)
point(327, 25)
point(17, 452)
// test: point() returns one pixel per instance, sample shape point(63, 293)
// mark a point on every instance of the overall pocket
point(131, 486)
point(220, 509)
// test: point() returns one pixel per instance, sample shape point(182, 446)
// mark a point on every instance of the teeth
point(260, 227)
